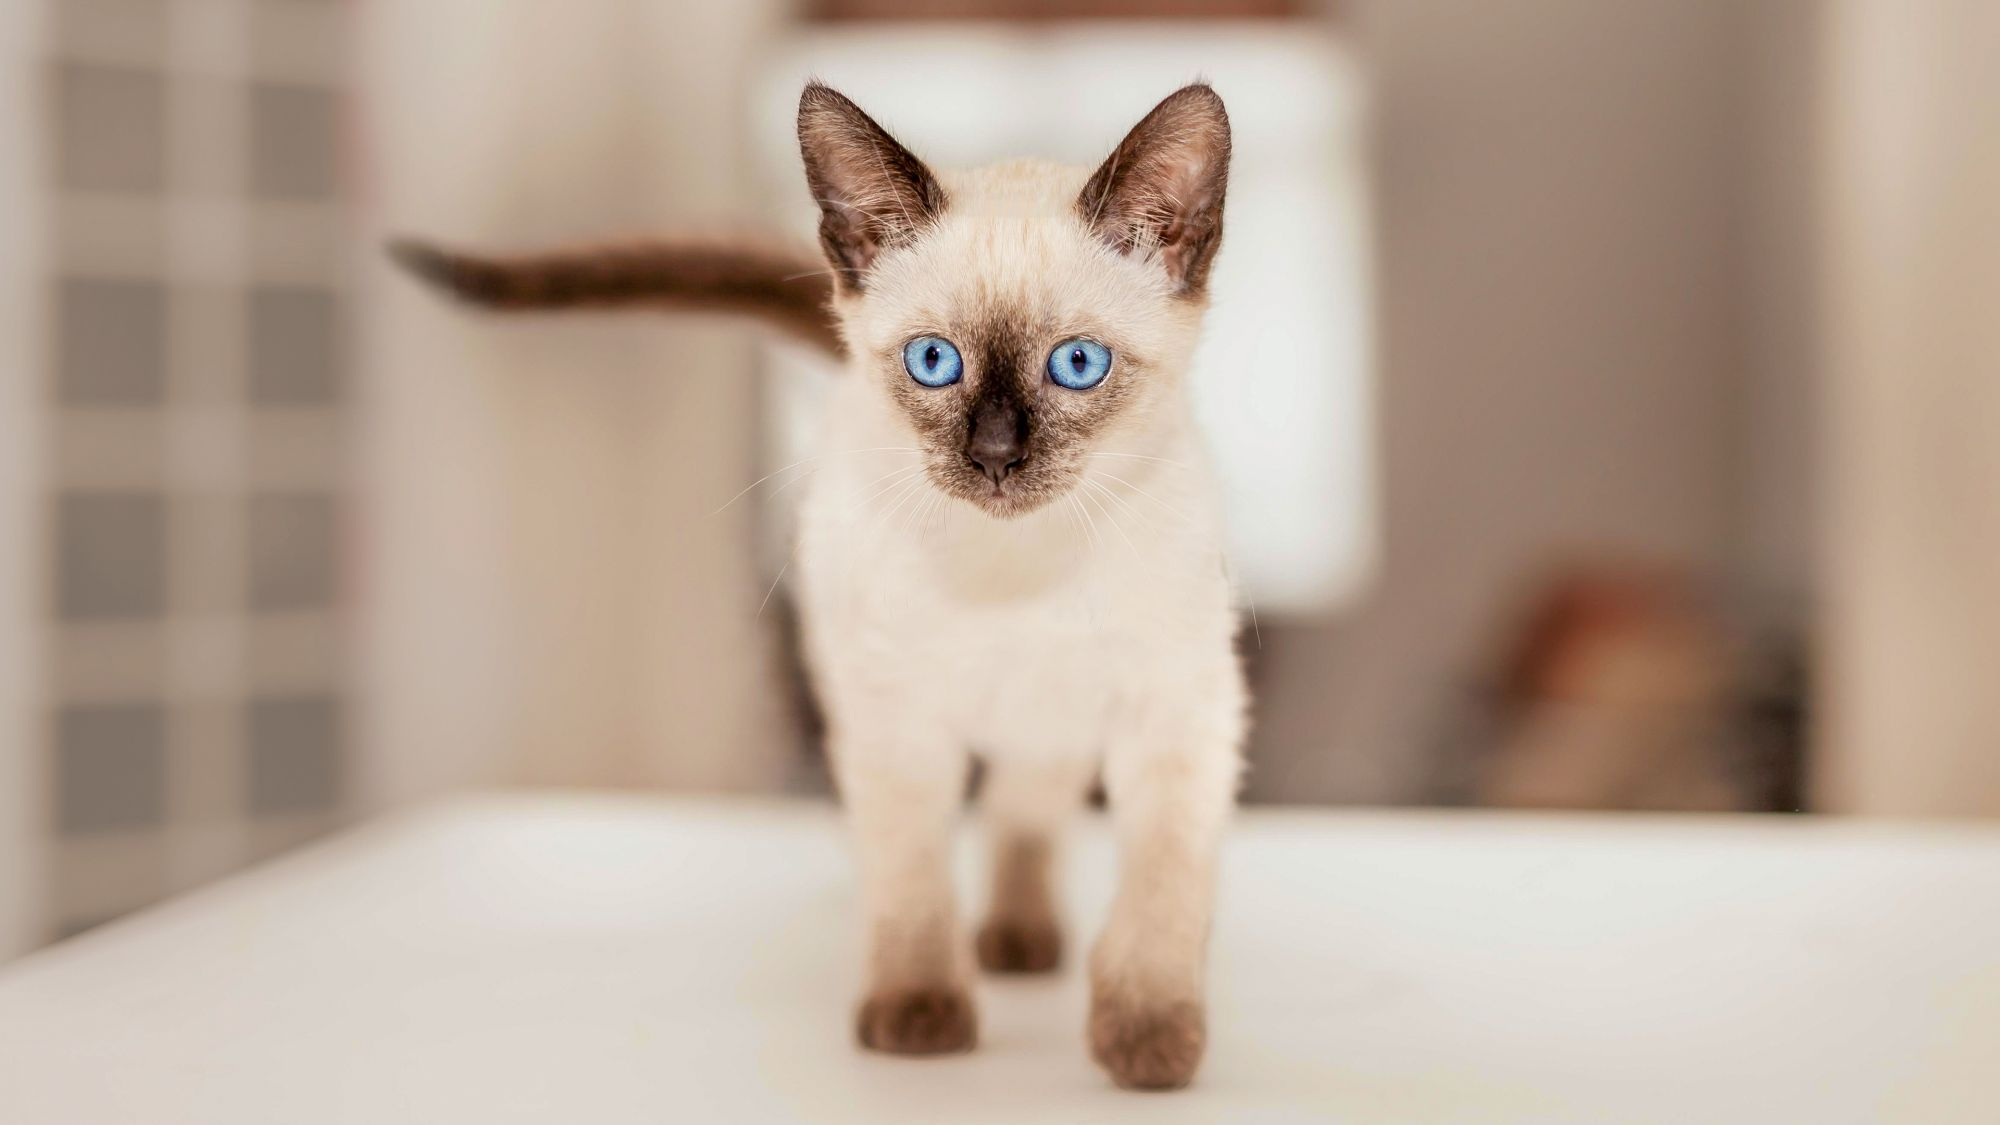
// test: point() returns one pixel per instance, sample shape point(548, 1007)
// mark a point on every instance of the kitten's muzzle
point(997, 441)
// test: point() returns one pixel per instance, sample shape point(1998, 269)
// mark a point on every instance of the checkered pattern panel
point(198, 397)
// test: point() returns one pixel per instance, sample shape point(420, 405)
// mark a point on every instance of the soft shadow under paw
point(1146, 1047)
point(1011, 946)
point(936, 1020)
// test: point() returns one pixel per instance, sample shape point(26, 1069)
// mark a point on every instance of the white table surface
point(603, 960)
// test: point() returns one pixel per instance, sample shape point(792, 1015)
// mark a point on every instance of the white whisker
point(1111, 519)
point(912, 488)
point(894, 477)
point(934, 513)
point(903, 490)
point(773, 494)
point(758, 481)
point(1177, 513)
point(808, 461)
point(1145, 522)
point(1142, 457)
point(1090, 524)
point(1068, 506)
point(774, 582)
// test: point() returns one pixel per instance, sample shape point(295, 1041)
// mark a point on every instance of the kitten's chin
point(1008, 506)
point(1002, 502)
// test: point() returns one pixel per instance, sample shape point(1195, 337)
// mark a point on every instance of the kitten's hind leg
point(902, 795)
point(1026, 803)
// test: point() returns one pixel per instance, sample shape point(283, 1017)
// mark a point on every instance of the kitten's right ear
point(872, 193)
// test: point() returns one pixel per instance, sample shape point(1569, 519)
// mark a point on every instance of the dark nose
point(998, 441)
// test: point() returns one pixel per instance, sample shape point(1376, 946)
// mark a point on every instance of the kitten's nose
point(998, 441)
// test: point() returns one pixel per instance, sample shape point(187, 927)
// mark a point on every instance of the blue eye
point(932, 361)
point(1079, 364)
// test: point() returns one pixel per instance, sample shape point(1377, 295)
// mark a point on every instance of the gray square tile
point(295, 755)
point(111, 555)
point(111, 767)
point(294, 142)
point(111, 343)
point(295, 347)
point(110, 129)
point(293, 552)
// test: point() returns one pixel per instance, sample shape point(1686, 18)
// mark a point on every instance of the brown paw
point(1147, 1047)
point(1008, 945)
point(936, 1020)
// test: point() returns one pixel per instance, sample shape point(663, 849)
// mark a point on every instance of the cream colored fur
point(1092, 635)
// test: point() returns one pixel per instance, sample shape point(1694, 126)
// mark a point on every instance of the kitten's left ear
point(1161, 189)
point(872, 192)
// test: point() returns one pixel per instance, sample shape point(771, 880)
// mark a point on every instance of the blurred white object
point(606, 960)
point(1283, 376)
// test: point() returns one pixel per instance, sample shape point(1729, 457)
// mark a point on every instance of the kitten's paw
point(1011, 945)
point(933, 1020)
point(1147, 1046)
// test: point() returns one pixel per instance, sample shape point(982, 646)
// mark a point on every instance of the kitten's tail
point(788, 289)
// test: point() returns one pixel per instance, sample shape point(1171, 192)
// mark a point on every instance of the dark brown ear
point(872, 193)
point(1161, 189)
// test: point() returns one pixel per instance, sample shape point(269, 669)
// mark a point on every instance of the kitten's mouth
point(1000, 498)
point(1015, 495)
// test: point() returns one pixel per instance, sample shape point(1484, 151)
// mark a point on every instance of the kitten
point(1012, 545)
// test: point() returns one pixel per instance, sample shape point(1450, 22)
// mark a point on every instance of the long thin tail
point(788, 289)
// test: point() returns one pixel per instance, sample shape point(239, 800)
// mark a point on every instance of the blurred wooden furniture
point(567, 958)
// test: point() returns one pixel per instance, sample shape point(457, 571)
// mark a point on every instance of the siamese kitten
point(1011, 546)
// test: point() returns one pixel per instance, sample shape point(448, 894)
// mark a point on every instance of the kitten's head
point(1017, 316)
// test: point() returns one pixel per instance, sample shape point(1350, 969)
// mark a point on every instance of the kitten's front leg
point(1171, 776)
point(902, 796)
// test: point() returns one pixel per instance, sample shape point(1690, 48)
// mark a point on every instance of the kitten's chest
point(984, 599)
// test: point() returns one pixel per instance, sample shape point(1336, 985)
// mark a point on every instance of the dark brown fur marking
point(1163, 186)
point(872, 192)
point(931, 1020)
point(1021, 934)
point(1006, 365)
point(1020, 945)
point(788, 289)
point(1147, 1047)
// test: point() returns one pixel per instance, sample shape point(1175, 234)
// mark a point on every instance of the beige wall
point(1779, 496)
point(21, 516)
point(546, 595)
point(1912, 548)
point(1563, 190)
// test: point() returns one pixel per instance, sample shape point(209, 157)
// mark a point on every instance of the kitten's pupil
point(1077, 360)
point(931, 357)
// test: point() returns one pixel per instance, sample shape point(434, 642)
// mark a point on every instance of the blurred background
point(1626, 432)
